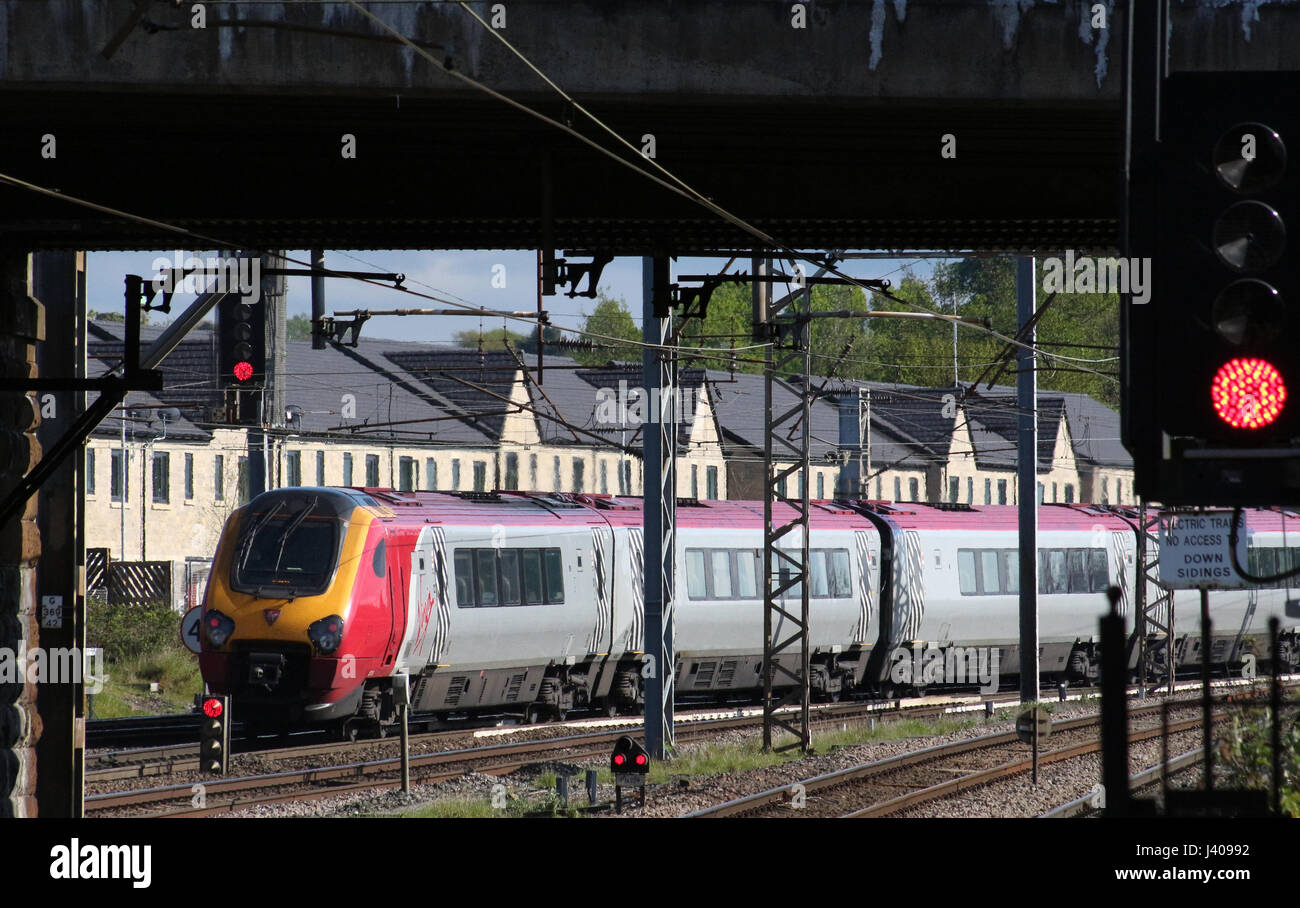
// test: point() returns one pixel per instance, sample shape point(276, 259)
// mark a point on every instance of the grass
point(126, 692)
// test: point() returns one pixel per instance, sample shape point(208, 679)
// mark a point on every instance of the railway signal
point(214, 735)
point(630, 764)
point(1211, 365)
point(241, 343)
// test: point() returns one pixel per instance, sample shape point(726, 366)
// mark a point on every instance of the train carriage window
point(531, 561)
point(380, 556)
point(553, 565)
point(841, 584)
point(1060, 576)
point(720, 560)
point(1078, 569)
point(1098, 571)
point(989, 572)
point(747, 574)
point(1009, 560)
point(695, 584)
point(465, 578)
point(485, 576)
point(509, 564)
point(966, 572)
point(818, 586)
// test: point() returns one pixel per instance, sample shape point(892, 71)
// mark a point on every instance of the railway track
point(498, 759)
point(896, 784)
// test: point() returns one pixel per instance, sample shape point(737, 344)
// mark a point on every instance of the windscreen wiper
point(288, 531)
point(254, 530)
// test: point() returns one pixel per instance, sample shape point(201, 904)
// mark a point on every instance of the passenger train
point(321, 600)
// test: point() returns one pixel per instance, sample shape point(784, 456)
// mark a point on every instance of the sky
point(458, 276)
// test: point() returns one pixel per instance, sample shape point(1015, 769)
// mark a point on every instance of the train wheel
point(611, 708)
point(533, 714)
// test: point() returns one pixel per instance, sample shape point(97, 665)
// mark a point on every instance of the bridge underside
point(265, 171)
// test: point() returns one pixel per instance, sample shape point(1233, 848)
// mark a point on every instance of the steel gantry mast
point(785, 454)
point(659, 441)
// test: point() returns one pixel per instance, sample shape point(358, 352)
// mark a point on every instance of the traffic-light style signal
point(241, 329)
point(214, 735)
point(1209, 362)
point(629, 757)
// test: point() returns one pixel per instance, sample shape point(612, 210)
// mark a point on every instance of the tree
point(610, 319)
point(299, 327)
point(495, 339)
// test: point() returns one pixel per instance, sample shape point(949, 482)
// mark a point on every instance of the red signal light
point(1248, 393)
point(243, 371)
point(640, 760)
point(619, 759)
point(212, 708)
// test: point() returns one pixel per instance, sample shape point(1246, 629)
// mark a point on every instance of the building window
point(821, 485)
point(1002, 491)
point(579, 468)
point(1069, 493)
point(219, 478)
point(954, 489)
point(711, 482)
point(559, 487)
point(625, 477)
point(480, 476)
point(372, 469)
point(162, 493)
point(1119, 491)
point(781, 487)
point(803, 482)
point(90, 471)
point(189, 477)
point(1105, 497)
point(604, 477)
point(406, 474)
point(878, 481)
point(117, 489)
point(242, 481)
point(347, 469)
point(293, 468)
point(1054, 495)
point(431, 474)
point(970, 490)
point(532, 472)
point(988, 491)
point(455, 474)
point(320, 468)
point(913, 489)
point(1041, 493)
point(898, 489)
point(695, 480)
point(512, 471)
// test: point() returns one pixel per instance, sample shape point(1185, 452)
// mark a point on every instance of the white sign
point(190, 629)
point(1194, 550)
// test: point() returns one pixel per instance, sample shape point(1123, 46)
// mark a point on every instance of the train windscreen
point(288, 548)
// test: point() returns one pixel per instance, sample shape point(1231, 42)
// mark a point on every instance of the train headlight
point(218, 627)
point(326, 634)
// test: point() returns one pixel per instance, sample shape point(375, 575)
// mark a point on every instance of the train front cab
point(296, 614)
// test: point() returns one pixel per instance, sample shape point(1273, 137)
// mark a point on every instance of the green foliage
point(920, 352)
point(298, 327)
point(495, 339)
point(1247, 757)
point(127, 631)
point(610, 319)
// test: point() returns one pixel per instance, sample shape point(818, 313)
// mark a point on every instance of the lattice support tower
point(785, 536)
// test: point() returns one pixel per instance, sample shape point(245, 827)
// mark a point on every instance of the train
point(324, 606)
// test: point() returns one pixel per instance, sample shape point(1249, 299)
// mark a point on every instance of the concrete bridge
point(823, 123)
